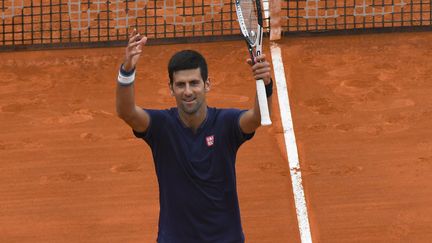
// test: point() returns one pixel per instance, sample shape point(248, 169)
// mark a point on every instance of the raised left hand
point(260, 68)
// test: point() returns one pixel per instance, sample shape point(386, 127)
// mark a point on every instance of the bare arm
point(251, 119)
point(133, 115)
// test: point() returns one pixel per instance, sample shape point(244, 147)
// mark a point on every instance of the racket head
point(250, 19)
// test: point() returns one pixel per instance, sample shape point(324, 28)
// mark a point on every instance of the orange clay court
point(71, 171)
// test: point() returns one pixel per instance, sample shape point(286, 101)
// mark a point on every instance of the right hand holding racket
point(133, 50)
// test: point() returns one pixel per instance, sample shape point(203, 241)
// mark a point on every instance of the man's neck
point(193, 121)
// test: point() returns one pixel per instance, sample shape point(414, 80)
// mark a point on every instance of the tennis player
point(194, 147)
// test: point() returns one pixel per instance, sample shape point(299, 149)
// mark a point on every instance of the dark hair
point(187, 59)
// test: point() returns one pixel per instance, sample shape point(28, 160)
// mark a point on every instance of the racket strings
point(249, 12)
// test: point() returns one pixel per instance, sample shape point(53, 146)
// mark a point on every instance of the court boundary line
point(291, 145)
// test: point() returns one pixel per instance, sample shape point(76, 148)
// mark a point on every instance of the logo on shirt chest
point(210, 140)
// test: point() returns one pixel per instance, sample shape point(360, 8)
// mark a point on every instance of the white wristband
point(126, 80)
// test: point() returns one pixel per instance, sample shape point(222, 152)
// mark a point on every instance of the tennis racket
point(249, 16)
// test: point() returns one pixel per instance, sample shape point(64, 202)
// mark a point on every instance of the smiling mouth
point(189, 101)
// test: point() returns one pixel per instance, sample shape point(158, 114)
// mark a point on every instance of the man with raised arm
point(194, 147)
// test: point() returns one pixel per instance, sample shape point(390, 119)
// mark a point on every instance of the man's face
point(189, 90)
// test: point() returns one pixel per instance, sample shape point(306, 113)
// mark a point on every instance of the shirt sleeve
point(236, 134)
point(243, 136)
point(157, 119)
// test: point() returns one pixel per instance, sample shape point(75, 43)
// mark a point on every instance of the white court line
point(291, 146)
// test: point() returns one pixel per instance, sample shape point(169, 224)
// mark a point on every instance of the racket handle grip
point(262, 102)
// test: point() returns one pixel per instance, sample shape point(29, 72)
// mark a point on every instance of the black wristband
point(126, 73)
point(269, 88)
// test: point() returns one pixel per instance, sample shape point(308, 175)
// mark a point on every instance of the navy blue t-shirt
point(196, 175)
